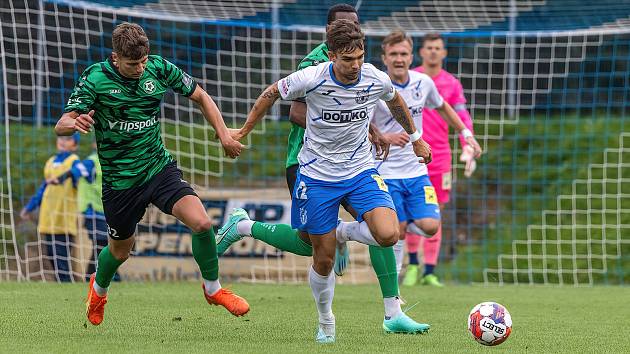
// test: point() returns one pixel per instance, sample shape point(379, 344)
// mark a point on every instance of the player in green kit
point(120, 99)
point(287, 239)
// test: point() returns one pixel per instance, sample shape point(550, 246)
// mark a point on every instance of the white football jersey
point(418, 92)
point(336, 145)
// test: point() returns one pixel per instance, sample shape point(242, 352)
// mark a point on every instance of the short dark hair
point(344, 36)
point(429, 37)
point(332, 12)
point(130, 41)
point(395, 38)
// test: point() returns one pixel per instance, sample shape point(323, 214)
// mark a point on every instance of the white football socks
point(399, 253)
point(99, 290)
point(392, 307)
point(323, 288)
point(212, 286)
point(355, 231)
point(244, 227)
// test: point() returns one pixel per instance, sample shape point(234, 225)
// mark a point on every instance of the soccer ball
point(490, 323)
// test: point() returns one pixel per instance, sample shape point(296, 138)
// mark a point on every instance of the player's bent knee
point(323, 266)
point(201, 225)
point(429, 227)
point(388, 237)
point(120, 249)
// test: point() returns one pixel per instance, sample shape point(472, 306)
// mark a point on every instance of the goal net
point(548, 107)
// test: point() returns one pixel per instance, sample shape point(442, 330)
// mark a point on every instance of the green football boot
point(228, 233)
point(411, 275)
point(404, 324)
point(325, 334)
point(432, 280)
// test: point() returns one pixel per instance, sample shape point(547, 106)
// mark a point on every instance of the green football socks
point(282, 237)
point(384, 264)
point(204, 249)
point(107, 267)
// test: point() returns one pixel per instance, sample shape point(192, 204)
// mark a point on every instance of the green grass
point(173, 317)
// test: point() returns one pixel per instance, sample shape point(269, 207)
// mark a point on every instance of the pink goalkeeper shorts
point(442, 184)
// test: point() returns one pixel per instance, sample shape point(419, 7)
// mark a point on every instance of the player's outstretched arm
point(260, 108)
point(401, 114)
point(212, 114)
point(452, 119)
point(71, 122)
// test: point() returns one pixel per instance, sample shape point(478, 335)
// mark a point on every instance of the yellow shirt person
point(57, 202)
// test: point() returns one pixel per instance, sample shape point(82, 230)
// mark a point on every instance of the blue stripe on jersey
point(308, 163)
point(334, 79)
point(316, 119)
point(336, 100)
point(357, 149)
point(367, 90)
point(314, 88)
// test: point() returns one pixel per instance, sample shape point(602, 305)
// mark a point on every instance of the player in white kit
point(408, 182)
point(336, 160)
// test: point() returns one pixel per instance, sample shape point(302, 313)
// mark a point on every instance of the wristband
point(415, 136)
point(466, 133)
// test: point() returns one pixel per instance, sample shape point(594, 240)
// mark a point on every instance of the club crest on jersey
point(149, 86)
point(362, 97)
point(417, 94)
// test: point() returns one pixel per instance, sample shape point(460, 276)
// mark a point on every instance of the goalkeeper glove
point(468, 156)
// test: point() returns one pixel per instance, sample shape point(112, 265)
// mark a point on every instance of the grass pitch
point(174, 317)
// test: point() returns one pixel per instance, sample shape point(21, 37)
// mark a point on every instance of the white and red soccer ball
point(490, 323)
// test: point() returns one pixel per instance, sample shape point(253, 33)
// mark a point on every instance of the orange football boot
point(232, 302)
point(95, 305)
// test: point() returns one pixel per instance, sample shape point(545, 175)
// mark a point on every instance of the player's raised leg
point(191, 212)
point(281, 236)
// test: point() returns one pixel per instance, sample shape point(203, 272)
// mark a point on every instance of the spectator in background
point(90, 192)
point(57, 202)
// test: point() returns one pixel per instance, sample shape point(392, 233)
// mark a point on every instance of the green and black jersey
point(296, 136)
point(127, 117)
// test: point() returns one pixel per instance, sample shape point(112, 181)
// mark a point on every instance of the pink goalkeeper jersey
point(435, 129)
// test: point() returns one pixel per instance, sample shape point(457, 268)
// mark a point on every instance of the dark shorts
point(124, 208)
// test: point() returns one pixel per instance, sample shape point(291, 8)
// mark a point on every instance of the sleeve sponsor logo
point(345, 116)
point(74, 100)
point(187, 80)
point(284, 86)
